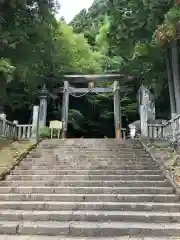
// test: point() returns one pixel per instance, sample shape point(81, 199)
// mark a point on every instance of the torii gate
point(90, 79)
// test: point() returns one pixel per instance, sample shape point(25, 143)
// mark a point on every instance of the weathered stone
point(89, 189)
point(161, 144)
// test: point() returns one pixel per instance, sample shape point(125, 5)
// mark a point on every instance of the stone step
point(113, 148)
point(108, 151)
point(110, 147)
point(42, 237)
point(89, 159)
point(72, 197)
point(93, 163)
point(88, 141)
point(87, 172)
point(77, 167)
point(87, 190)
point(85, 177)
point(107, 145)
point(84, 155)
point(93, 144)
point(93, 167)
point(106, 206)
point(97, 152)
point(86, 183)
point(92, 216)
point(81, 152)
point(92, 229)
point(101, 147)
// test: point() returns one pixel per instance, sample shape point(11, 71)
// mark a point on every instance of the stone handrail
point(123, 132)
point(166, 131)
point(13, 130)
point(8, 129)
point(24, 131)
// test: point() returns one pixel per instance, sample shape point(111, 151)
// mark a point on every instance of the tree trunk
point(170, 84)
point(175, 72)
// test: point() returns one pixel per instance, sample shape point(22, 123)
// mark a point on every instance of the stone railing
point(7, 129)
point(167, 131)
point(13, 130)
point(24, 132)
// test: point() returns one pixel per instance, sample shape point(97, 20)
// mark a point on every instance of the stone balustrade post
point(3, 116)
point(15, 129)
point(15, 122)
point(144, 121)
point(132, 130)
point(173, 129)
point(35, 123)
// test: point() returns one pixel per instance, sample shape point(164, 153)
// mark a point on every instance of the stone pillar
point(65, 109)
point(43, 107)
point(173, 115)
point(117, 110)
point(3, 116)
point(15, 129)
point(132, 130)
point(173, 129)
point(35, 123)
point(150, 105)
point(154, 113)
point(144, 121)
point(15, 122)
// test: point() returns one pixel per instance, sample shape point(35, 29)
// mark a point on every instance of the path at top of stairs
point(88, 189)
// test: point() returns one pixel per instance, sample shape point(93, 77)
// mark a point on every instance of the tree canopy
point(128, 36)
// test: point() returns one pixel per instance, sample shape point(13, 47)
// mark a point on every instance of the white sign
point(55, 124)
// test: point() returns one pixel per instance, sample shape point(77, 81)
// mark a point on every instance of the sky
point(69, 8)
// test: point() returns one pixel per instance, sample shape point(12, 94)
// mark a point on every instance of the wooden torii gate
point(90, 79)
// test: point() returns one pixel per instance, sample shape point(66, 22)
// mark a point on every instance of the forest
point(135, 37)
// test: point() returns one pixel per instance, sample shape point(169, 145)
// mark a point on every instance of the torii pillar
point(117, 110)
point(43, 95)
point(65, 109)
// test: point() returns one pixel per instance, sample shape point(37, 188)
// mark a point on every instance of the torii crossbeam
point(116, 89)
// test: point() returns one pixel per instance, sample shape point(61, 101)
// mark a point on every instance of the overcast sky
point(69, 8)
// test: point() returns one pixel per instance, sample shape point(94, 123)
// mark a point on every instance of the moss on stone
point(12, 155)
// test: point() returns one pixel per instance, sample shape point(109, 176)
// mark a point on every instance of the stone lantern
point(43, 96)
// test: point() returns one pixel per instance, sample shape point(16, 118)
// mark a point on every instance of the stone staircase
point(88, 189)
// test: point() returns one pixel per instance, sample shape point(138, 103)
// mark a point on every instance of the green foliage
point(165, 33)
point(129, 42)
point(111, 36)
point(101, 38)
point(6, 69)
point(140, 49)
point(89, 22)
point(169, 29)
point(75, 119)
point(44, 132)
point(173, 15)
point(34, 46)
